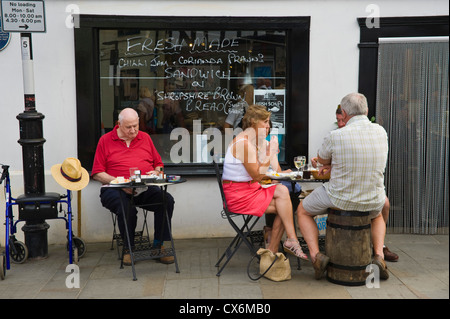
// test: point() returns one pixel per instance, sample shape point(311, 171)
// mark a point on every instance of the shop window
point(191, 85)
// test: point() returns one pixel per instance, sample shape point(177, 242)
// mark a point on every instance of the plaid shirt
point(358, 154)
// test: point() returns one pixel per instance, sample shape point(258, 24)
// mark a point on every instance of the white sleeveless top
point(233, 169)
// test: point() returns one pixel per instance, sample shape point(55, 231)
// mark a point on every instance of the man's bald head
point(128, 114)
point(128, 124)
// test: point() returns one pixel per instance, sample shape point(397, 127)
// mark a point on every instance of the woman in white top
point(246, 163)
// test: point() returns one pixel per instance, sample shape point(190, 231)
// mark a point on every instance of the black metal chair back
point(242, 233)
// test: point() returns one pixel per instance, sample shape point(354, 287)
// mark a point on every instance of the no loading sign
point(23, 16)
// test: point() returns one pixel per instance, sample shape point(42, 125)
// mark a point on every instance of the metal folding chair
point(141, 236)
point(243, 232)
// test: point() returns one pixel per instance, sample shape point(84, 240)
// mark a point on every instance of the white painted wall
point(333, 74)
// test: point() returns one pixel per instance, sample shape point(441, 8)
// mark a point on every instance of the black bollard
point(36, 238)
point(32, 140)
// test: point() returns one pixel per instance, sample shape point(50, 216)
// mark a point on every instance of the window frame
point(88, 77)
point(390, 27)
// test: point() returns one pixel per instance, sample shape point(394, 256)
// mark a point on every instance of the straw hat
point(70, 174)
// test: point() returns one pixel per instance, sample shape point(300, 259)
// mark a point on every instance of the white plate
point(150, 176)
point(275, 175)
point(268, 185)
point(115, 182)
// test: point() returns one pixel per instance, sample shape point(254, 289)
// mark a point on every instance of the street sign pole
point(28, 71)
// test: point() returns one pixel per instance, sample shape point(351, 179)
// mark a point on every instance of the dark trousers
point(110, 199)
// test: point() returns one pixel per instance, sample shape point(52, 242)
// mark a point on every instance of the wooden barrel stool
point(348, 244)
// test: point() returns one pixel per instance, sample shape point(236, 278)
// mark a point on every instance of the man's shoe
point(378, 261)
point(127, 259)
point(320, 265)
point(166, 260)
point(389, 255)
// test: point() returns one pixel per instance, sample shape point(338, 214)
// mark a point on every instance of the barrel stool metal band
point(348, 245)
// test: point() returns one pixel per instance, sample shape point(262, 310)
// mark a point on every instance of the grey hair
point(355, 104)
point(127, 112)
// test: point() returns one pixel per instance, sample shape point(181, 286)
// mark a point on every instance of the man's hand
point(128, 190)
point(155, 171)
point(325, 169)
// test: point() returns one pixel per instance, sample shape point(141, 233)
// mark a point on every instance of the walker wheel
point(18, 252)
point(79, 244)
point(2, 266)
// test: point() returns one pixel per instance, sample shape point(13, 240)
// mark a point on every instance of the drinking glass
point(299, 162)
point(133, 172)
point(307, 171)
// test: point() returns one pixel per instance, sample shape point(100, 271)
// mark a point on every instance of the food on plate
point(120, 180)
point(266, 181)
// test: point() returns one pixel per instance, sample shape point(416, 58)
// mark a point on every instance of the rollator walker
point(45, 206)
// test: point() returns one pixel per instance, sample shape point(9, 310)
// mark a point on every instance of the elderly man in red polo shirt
point(124, 147)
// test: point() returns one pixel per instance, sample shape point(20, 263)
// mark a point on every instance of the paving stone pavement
point(422, 272)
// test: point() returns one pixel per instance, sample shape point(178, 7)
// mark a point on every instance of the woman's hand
point(273, 148)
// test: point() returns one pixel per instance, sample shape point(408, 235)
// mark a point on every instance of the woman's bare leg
point(309, 230)
point(281, 205)
point(277, 233)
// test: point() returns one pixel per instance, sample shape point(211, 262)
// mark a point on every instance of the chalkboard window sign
point(191, 82)
point(194, 80)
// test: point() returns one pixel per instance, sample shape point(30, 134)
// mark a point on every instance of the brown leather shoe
point(127, 259)
point(378, 261)
point(389, 255)
point(320, 265)
point(166, 260)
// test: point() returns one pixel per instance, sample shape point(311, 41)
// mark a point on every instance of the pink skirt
point(248, 198)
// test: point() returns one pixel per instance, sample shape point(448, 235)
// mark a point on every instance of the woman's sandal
point(294, 248)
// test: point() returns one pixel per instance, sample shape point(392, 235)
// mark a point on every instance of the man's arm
point(323, 161)
point(103, 177)
point(320, 160)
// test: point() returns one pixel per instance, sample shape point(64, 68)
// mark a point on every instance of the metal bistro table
point(287, 178)
point(146, 251)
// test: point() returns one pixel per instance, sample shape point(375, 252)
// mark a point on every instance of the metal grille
point(412, 105)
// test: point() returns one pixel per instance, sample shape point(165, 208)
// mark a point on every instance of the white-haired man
point(357, 154)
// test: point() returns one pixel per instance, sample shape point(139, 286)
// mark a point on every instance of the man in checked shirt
point(357, 154)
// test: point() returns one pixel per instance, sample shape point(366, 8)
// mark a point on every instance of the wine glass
point(299, 161)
